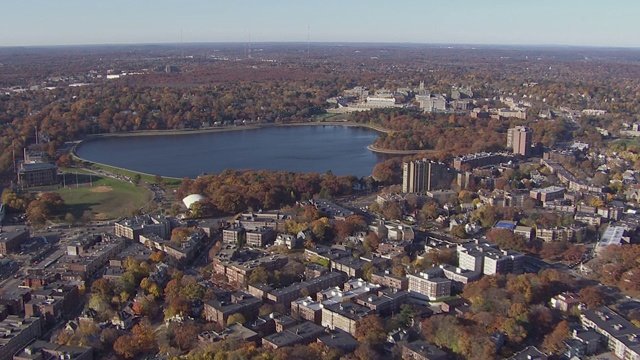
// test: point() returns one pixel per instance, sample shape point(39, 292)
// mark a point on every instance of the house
point(566, 301)
point(529, 353)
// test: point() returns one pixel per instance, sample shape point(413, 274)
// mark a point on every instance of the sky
point(505, 22)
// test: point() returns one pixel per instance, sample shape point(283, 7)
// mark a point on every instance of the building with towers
point(424, 175)
point(520, 140)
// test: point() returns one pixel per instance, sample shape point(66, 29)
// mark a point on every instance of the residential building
point(471, 254)
point(349, 265)
point(294, 291)
point(422, 350)
point(459, 277)
point(520, 140)
point(549, 193)
point(343, 315)
point(339, 339)
point(308, 309)
point(268, 219)
point(512, 113)
point(219, 310)
point(42, 350)
point(429, 285)
point(471, 161)
point(504, 262)
point(330, 209)
point(324, 254)
point(87, 262)
point(385, 278)
point(529, 353)
point(303, 333)
point(561, 233)
point(566, 301)
point(234, 235)
point(232, 333)
point(17, 332)
point(132, 228)
point(620, 336)
point(384, 302)
point(10, 240)
point(180, 250)
point(423, 175)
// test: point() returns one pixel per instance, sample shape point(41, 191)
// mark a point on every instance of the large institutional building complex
point(424, 175)
point(37, 174)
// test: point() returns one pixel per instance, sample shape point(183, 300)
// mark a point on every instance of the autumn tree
point(185, 335)
point(506, 239)
point(370, 330)
point(236, 318)
point(592, 296)
point(126, 346)
point(44, 208)
point(554, 342)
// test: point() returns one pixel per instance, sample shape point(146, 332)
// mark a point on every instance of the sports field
point(104, 197)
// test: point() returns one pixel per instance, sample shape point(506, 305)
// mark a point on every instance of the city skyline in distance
point(499, 22)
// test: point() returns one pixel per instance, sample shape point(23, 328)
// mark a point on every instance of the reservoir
point(341, 149)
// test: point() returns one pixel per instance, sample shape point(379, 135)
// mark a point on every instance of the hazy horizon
point(584, 23)
point(315, 43)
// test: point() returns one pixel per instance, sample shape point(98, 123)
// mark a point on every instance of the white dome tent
point(191, 199)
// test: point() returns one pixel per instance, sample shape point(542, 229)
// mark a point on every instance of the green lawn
point(129, 173)
point(105, 197)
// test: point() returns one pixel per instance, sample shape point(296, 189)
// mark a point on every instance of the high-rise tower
point(520, 139)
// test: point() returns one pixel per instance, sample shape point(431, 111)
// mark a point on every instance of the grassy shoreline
point(230, 128)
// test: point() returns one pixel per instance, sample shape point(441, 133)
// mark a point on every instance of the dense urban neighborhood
point(502, 223)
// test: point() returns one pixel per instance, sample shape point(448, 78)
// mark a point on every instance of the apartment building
point(132, 228)
point(620, 336)
point(385, 278)
point(17, 332)
point(429, 286)
point(303, 333)
point(423, 175)
point(292, 292)
point(503, 262)
point(343, 316)
point(10, 240)
point(308, 309)
point(239, 302)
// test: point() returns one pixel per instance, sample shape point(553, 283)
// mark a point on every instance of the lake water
point(341, 149)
